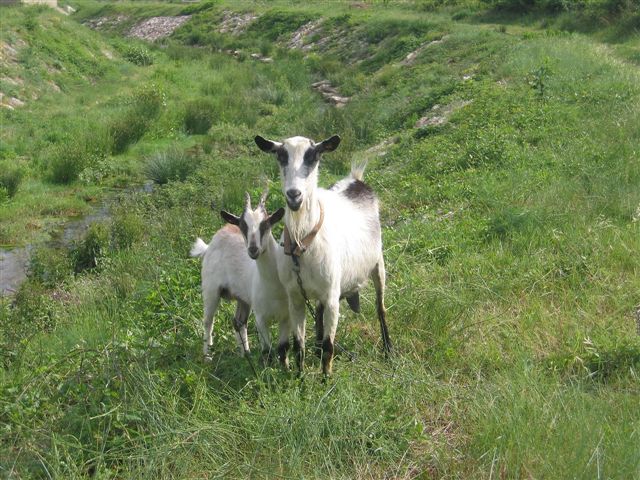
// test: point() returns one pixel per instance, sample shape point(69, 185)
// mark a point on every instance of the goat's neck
point(266, 262)
point(300, 223)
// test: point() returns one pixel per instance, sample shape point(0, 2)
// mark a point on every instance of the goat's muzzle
point(253, 252)
point(294, 199)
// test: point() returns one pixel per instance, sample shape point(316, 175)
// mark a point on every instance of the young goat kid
point(240, 264)
point(334, 236)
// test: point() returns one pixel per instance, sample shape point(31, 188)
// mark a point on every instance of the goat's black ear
point(276, 216)
point(229, 217)
point(328, 145)
point(265, 145)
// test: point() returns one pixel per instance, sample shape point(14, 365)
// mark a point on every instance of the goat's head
point(298, 158)
point(255, 224)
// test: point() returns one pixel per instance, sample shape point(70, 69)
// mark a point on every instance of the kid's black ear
point(266, 145)
point(230, 218)
point(328, 145)
point(276, 216)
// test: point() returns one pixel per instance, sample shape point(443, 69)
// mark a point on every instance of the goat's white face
point(298, 158)
point(255, 225)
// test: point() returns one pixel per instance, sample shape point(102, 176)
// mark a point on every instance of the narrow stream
point(14, 263)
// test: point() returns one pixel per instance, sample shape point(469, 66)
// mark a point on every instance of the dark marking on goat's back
point(359, 191)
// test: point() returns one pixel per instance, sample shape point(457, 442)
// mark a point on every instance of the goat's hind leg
point(378, 277)
point(240, 325)
point(210, 306)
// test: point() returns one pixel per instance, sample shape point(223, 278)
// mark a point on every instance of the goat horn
point(247, 199)
point(263, 197)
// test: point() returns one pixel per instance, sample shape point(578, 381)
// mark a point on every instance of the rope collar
point(294, 249)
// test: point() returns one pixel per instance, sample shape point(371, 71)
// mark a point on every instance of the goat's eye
point(283, 158)
point(264, 227)
point(310, 157)
point(243, 227)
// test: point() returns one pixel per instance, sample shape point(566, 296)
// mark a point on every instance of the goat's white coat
point(346, 251)
point(226, 266)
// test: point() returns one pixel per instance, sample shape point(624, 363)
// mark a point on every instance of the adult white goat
point(334, 237)
point(252, 280)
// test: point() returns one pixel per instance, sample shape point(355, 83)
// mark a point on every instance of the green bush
point(173, 164)
point(10, 177)
point(145, 106)
point(198, 116)
point(87, 252)
point(138, 55)
point(126, 131)
point(49, 266)
point(126, 229)
point(66, 161)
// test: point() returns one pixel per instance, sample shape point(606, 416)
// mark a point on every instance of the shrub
point(127, 130)
point(198, 116)
point(126, 229)
point(138, 55)
point(10, 178)
point(87, 252)
point(173, 164)
point(144, 107)
point(66, 161)
point(49, 266)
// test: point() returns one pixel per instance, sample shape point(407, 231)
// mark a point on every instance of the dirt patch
point(439, 115)
point(9, 52)
point(10, 103)
point(155, 28)
point(307, 36)
point(381, 149)
point(102, 23)
point(411, 57)
point(330, 93)
point(235, 23)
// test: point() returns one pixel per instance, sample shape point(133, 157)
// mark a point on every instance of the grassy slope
point(511, 238)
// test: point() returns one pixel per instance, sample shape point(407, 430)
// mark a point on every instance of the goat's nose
point(294, 193)
point(253, 251)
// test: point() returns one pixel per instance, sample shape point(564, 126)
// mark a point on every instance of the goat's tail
point(357, 169)
point(198, 249)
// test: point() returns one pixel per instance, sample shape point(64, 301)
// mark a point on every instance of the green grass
point(511, 236)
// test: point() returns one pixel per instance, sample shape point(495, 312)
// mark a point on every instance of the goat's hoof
point(207, 358)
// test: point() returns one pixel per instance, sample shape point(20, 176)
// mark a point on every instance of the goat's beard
point(299, 222)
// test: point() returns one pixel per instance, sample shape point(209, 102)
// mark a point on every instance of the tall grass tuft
point(145, 106)
point(10, 178)
point(198, 116)
point(172, 164)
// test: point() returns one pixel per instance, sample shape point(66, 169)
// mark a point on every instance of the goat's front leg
point(297, 320)
point(265, 338)
point(330, 322)
point(284, 332)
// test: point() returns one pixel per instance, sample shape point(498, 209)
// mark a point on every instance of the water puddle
point(14, 263)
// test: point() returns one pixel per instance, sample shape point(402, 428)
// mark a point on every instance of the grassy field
point(506, 153)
